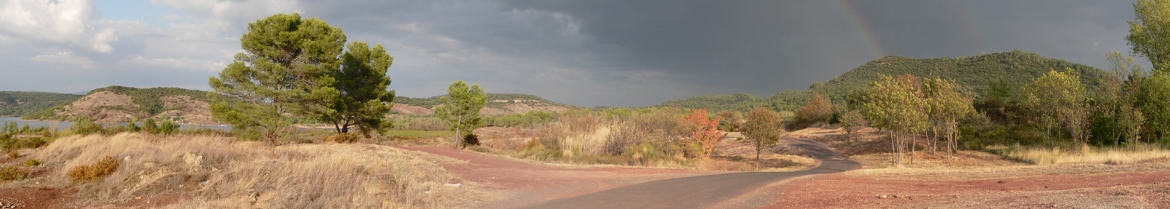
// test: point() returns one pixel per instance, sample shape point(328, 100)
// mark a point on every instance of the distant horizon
point(84, 92)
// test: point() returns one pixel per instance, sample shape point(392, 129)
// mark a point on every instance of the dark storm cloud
point(605, 52)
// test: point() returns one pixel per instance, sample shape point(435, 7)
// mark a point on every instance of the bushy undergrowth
point(94, 171)
point(651, 136)
point(222, 172)
point(12, 173)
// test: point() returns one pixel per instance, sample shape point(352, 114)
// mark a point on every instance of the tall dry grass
point(1086, 154)
point(650, 136)
point(220, 172)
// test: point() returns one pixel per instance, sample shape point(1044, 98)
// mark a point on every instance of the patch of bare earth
point(516, 183)
point(186, 109)
point(1125, 190)
point(406, 109)
point(967, 179)
point(103, 106)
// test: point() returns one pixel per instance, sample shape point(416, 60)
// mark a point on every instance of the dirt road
point(702, 191)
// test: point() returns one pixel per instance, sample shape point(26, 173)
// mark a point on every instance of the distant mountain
point(16, 103)
point(976, 73)
point(123, 104)
point(497, 104)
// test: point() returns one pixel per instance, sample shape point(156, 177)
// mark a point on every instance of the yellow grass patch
point(220, 172)
point(1086, 154)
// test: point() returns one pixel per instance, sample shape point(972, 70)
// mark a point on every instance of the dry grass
point(1086, 154)
point(219, 172)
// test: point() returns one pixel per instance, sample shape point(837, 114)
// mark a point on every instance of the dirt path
point(703, 191)
point(514, 183)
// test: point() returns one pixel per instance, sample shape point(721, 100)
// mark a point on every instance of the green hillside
point(15, 103)
point(977, 73)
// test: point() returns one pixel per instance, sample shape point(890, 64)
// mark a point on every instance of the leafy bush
point(12, 173)
point(85, 126)
point(94, 171)
point(343, 138)
point(471, 140)
point(168, 127)
point(32, 162)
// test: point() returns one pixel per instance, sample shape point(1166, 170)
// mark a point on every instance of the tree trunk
point(758, 148)
point(458, 122)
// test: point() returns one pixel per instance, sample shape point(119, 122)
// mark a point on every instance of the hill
point(497, 104)
point(123, 104)
point(16, 103)
point(977, 73)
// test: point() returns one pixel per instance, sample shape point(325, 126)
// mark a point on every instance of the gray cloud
point(615, 53)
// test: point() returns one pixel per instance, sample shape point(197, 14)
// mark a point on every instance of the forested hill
point(15, 103)
point(977, 73)
point(123, 104)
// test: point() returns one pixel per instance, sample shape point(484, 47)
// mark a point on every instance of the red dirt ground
point(517, 183)
point(1127, 190)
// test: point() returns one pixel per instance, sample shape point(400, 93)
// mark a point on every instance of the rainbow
point(867, 35)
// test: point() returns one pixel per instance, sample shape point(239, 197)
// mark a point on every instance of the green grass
point(413, 134)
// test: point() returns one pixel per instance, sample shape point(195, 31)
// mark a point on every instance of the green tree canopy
point(284, 70)
point(461, 108)
point(1149, 32)
point(1057, 99)
point(763, 128)
point(362, 83)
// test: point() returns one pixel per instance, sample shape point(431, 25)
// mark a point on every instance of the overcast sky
point(587, 53)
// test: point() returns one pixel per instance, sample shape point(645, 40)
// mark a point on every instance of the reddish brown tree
point(705, 131)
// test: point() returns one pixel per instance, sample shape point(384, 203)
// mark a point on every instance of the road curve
point(702, 191)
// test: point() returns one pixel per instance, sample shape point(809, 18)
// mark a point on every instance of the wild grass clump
point(95, 171)
point(1083, 154)
point(12, 173)
point(222, 172)
point(650, 136)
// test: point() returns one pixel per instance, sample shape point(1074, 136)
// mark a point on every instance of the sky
point(585, 53)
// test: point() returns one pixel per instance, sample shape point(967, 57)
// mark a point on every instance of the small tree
point(764, 129)
point(947, 102)
point(461, 108)
point(1154, 103)
point(705, 131)
point(852, 121)
point(817, 108)
point(897, 106)
point(1058, 99)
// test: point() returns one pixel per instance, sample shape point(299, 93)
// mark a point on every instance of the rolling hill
point(16, 103)
point(977, 73)
point(123, 104)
